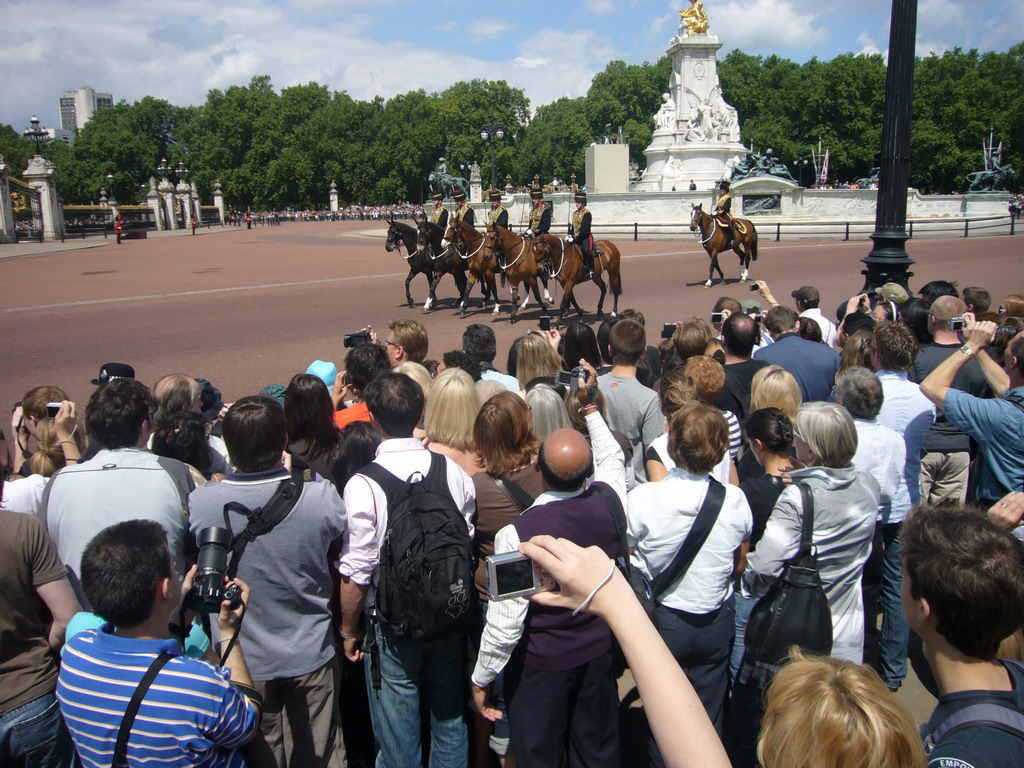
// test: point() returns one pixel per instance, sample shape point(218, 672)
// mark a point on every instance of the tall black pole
point(888, 260)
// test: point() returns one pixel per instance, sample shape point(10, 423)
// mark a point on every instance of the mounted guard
point(579, 233)
point(463, 210)
point(540, 214)
point(497, 215)
point(440, 214)
point(723, 214)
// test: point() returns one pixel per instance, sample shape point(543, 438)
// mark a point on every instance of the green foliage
point(278, 149)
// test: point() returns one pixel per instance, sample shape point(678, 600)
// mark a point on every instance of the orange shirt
point(357, 412)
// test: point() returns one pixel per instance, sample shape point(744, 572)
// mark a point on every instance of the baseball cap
point(111, 371)
point(893, 292)
point(806, 293)
point(324, 370)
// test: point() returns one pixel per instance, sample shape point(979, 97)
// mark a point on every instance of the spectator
point(809, 330)
point(856, 721)
point(845, 508)
point(906, 411)
point(856, 352)
point(807, 300)
point(181, 435)
point(854, 322)
point(287, 632)
point(769, 440)
point(709, 378)
point(133, 484)
point(176, 393)
point(775, 387)
point(205, 713)
point(812, 365)
point(691, 338)
point(604, 331)
point(739, 335)
point(580, 342)
point(363, 365)
point(945, 465)
point(931, 291)
point(964, 595)
point(632, 407)
point(547, 410)
point(537, 358)
point(694, 615)
point(32, 731)
point(313, 436)
point(418, 373)
point(997, 423)
point(1013, 305)
point(396, 403)
point(58, 442)
point(915, 317)
point(456, 358)
point(560, 687)
point(478, 341)
point(407, 340)
point(26, 416)
point(450, 414)
point(977, 300)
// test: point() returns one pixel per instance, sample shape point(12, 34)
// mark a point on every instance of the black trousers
point(574, 711)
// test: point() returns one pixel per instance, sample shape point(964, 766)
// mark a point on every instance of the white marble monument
point(697, 134)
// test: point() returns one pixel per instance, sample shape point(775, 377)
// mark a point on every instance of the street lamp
point(36, 133)
point(489, 133)
point(163, 169)
point(110, 186)
point(801, 163)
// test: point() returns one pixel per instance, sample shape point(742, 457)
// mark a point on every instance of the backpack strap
point(262, 520)
point(984, 713)
point(121, 746)
point(1016, 400)
point(395, 489)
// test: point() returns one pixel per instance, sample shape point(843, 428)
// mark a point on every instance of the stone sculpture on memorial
point(994, 180)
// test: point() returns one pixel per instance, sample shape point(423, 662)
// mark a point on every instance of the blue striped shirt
point(191, 714)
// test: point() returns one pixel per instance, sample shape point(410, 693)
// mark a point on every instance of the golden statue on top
point(695, 17)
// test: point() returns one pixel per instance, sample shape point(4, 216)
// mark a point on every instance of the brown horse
point(516, 260)
point(567, 267)
point(470, 244)
point(443, 257)
point(715, 240)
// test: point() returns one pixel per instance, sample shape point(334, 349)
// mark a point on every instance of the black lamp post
point(489, 133)
point(888, 260)
point(36, 133)
point(110, 186)
point(801, 163)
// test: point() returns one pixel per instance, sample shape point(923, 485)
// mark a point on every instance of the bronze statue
point(695, 17)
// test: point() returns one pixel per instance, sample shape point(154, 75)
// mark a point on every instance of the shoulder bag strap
point(706, 518)
point(515, 492)
point(1015, 400)
point(807, 526)
point(619, 516)
point(983, 713)
point(121, 747)
point(263, 519)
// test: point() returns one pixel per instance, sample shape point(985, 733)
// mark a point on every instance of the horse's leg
point(567, 296)
point(432, 298)
point(493, 284)
point(465, 295)
point(713, 253)
point(547, 296)
point(408, 280)
point(515, 300)
point(600, 301)
point(461, 283)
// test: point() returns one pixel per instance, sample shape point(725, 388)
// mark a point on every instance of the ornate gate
point(28, 211)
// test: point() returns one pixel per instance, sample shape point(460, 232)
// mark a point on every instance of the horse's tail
point(753, 247)
point(614, 271)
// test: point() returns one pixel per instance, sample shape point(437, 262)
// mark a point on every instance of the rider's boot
point(588, 267)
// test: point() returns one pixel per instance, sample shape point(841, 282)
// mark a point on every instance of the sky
point(180, 50)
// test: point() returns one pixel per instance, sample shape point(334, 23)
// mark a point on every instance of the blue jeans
point(408, 669)
point(895, 632)
point(743, 605)
point(34, 735)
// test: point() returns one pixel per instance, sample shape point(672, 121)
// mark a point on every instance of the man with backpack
point(281, 532)
point(963, 593)
point(406, 560)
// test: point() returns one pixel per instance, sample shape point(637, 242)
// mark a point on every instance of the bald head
point(565, 460)
point(942, 309)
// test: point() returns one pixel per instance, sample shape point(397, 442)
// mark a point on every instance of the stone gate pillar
point(41, 175)
point(153, 201)
point(334, 197)
point(167, 197)
point(218, 201)
point(7, 233)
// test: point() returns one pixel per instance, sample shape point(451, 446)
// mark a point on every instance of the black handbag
point(795, 609)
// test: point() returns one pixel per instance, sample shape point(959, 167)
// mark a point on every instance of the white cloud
point(489, 27)
point(600, 7)
point(868, 45)
point(767, 25)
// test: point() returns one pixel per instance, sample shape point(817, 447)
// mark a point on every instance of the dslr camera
point(208, 590)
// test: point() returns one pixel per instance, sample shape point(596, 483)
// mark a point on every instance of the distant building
point(59, 134)
point(78, 107)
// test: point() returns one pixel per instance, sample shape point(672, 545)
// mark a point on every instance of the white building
point(77, 107)
point(59, 134)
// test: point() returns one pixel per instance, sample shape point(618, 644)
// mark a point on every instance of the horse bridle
point(399, 242)
point(458, 232)
point(714, 225)
point(522, 250)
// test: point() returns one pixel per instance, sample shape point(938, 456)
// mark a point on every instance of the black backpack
point(426, 588)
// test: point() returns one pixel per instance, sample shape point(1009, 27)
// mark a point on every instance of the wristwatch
point(967, 350)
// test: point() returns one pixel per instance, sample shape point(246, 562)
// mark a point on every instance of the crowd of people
point(304, 576)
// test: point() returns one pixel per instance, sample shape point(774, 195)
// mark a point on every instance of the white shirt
point(506, 619)
point(661, 515)
point(881, 453)
point(24, 495)
point(911, 414)
point(721, 472)
point(828, 328)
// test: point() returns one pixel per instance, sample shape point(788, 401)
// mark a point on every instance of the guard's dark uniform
point(540, 215)
point(463, 211)
point(497, 215)
point(579, 231)
point(440, 214)
point(724, 215)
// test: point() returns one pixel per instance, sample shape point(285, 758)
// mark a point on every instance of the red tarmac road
point(250, 308)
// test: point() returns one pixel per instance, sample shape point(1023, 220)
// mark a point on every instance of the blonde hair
point(823, 711)
point(775, 387)
point(536, 358)
point(829, 432)
point(50, 455)
point(418, 373)
point(451, 409)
